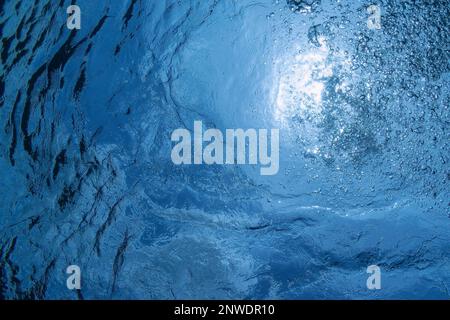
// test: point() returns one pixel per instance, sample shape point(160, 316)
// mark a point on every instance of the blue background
point(86, 176)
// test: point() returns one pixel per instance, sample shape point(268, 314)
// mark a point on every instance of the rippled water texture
point(87, 179)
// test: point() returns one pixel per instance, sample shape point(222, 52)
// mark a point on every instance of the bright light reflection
point(301, 83)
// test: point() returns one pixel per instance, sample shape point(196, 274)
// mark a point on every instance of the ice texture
point(87, 179)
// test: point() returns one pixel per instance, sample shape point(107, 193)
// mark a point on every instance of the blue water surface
point(86, 118)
